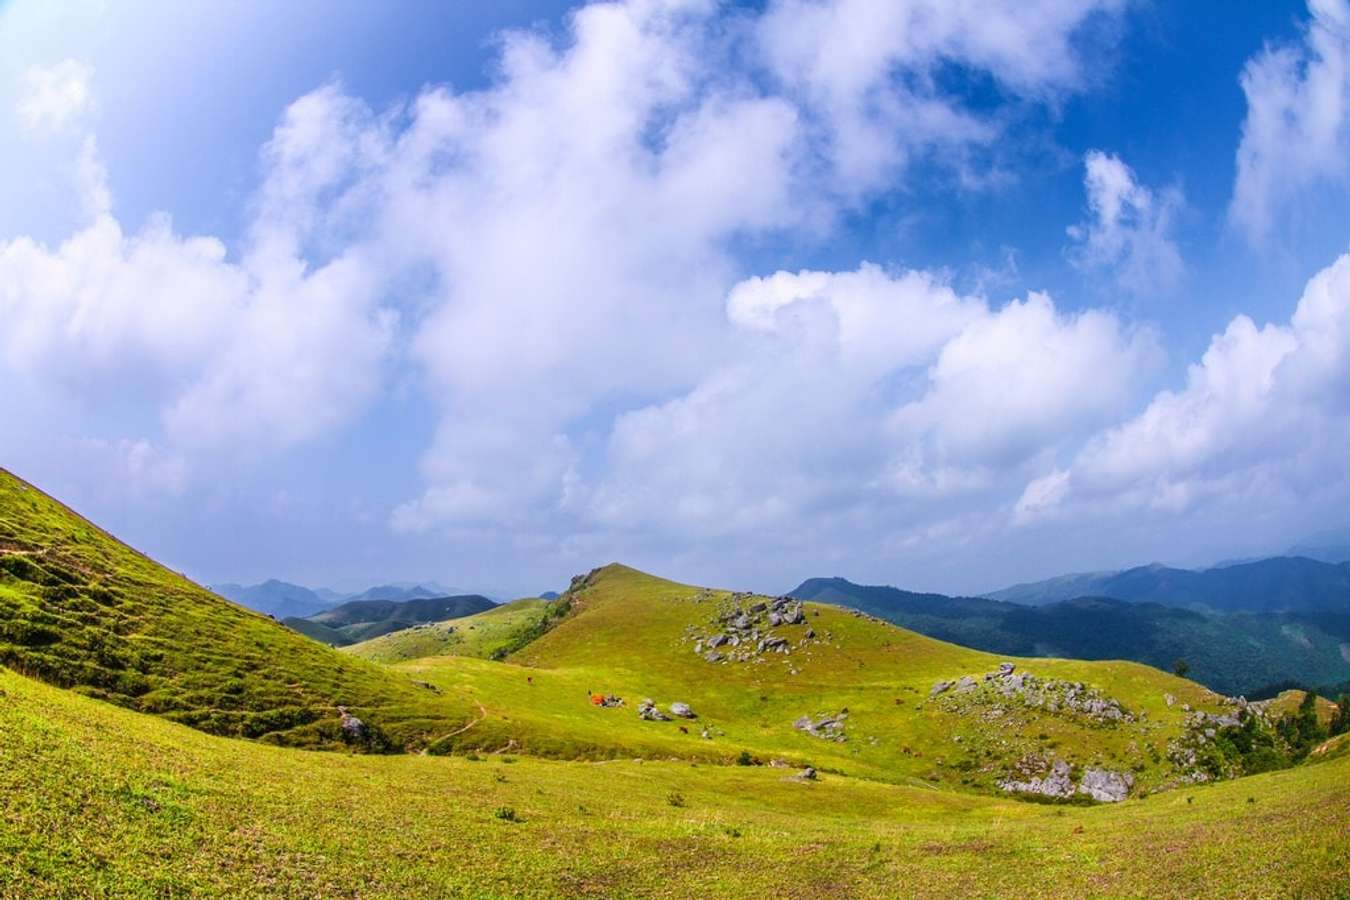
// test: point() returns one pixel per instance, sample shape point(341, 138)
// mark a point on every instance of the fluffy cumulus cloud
point(584, 211)
point(1260, 422)
point(1128, 234)
point(888, 395)
point(261, 351)
point(556, 264)
point(1297, 132)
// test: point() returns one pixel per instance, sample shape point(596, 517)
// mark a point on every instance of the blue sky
point(928, 293)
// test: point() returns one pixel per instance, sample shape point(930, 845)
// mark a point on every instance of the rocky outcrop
point(826, 727)
point(746, 629)
point(1106, 786)
point(1007, 685)
point(1037, 774)
point(682, 710)
point(1048, 779)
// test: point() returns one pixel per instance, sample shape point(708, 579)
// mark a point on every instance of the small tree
point(1340, 719)
point(1180, 667)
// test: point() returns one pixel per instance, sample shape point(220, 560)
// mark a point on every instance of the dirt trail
point(482, 714)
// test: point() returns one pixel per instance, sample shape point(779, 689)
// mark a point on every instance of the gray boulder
point(352, 727)
point(682, 710)
point(1055, 783)
point(1105, 785)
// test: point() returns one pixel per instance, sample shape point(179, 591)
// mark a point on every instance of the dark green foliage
point(361, 620)
point(1180, 667)
point(1340, 720)
point(1233, 654)
point(556, 612)
point(1263, 586)
point(1302, 730)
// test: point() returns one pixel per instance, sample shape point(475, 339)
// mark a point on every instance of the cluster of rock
point(1201, 728)
point(648, 710)
point(826, 727)
point(581, 582)
point(742, 629)
point(1051, 695)
point(1054, 778)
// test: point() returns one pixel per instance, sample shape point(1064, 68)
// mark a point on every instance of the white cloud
point(865, 69)
point(558, 257)
point(264, 352)
point(56, 96)
point(1261, 422)
point(1297, 131)
point(1129, 232)
point(583, 210)
point(867, 391)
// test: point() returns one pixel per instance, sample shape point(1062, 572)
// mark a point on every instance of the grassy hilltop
point(527, 787)
point(480, 635)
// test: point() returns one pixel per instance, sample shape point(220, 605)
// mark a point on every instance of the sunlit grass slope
point(101, 801)
point(82, 610)
point(629, 634)
point(480, 635)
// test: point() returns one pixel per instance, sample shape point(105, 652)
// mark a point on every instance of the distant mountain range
point(1236, 653)
point(1292, 584)
point(276, 598)
point(360, 620)
point(1329, 546)
point(284, 600)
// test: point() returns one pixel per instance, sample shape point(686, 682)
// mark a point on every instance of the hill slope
point(482, 635)
point(1279, 584)
point(105, 802)
point(832, 687)
point(360, 620)
point(1233, 654)
point(82, 610)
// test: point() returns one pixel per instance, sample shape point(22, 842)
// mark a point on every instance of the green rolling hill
point(482, 635)
point(361, 620)
point(634, 736)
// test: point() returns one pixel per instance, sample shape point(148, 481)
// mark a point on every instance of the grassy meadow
point(488, 771)
point(106, 802)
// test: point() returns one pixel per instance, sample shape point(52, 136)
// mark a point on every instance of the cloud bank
point(562, 265)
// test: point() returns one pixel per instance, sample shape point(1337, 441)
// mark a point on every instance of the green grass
point(527, 788)
point(627, 636)
point(82, 610)
point(102, 801)
point(480, 635)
